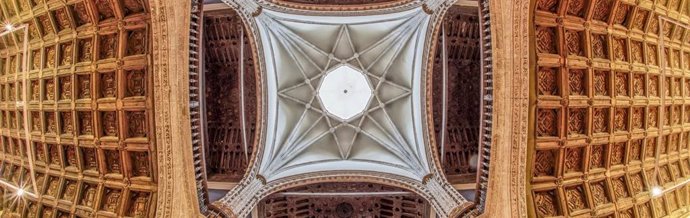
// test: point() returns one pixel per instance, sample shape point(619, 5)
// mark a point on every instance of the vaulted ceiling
point(313, 81)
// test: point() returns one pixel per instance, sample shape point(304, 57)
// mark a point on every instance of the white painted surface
point(345, 92)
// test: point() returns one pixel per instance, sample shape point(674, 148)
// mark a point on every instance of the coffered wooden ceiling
point(611, 90)
point(80, 115)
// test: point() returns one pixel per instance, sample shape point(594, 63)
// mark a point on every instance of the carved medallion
point(636, 150)
point(70, 155)
point(49, 85)
point(136, 83)
point(133, 6)
point(548, 81)
point(70, 190)
point(576, 8)
point(62, 19)
point(35, 59)
point(600, 121)
point(576, 121)
point(573, 41)
point(108, 85)
point(653, 26)
point(136, 42)
point(137, 123)
point(88, 194)
point(573, 159)
point(619, 49)
point(33, 32)
point(81, 14)
point(544, 162)
point(111, 200)
point(602, 9)
point(652, 55)
point(65, 88)
point(140, 164)
point(638, 85)
point(84, 86)
point(112, 159)
point(653, 86)
point(638, 118)
point(650, 148)
point(85, 50)
point(577, 81)
point(620, 189)
point(66, 53)
point(601, 83)
point(66, 123)
point(620, 119)
point(35, 122)
point(108, 46)
point(138, 204)
point(597, 156)
point(640, 19)
point(636, 52)
point(546, 40)
point(547, 5)
point(622, 14)
point(621, 83)
point(104, 9)
point(547, 124)
point(40, 151)
point(599, 46)
point(546, 203)
point(89, 159)
point(575, 198)
point(618, 153)
point(109, 123)
point(53, 186)
point(85, 123)
point(46, 24)
point(51, 123)
point(50, 57)
point(35, 90)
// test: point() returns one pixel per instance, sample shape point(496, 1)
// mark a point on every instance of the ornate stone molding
point(329, 7)
point(254, 189)
point(176, 190)
point(510, 42)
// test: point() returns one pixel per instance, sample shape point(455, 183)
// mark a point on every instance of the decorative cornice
point(245, 7)
point(336, 7)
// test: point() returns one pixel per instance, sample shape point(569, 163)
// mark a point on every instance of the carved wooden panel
point(88, 109)
point(284, 204)
point(609, 122)
point(463, 91)
point(226, 158)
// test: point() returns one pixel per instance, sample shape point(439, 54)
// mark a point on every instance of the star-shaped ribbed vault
point(344, 99)
point(305, 136)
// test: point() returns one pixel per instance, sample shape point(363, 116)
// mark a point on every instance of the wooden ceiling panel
point(609, 98)
point(87, 118)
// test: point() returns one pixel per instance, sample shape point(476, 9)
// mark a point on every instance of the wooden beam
point(221, 6)
point(465, 186)
point(467, 3)
point(221, 185)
